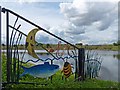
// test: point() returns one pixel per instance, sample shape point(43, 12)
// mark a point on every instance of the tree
point(115, 44)
point(47, 45)
point(79, 44)
point(3, 44)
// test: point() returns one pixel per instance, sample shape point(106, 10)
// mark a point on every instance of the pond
point(109, 69)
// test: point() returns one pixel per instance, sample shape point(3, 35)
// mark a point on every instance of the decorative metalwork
point(42, 70)
point(92, 64)
point(15, 59)
point(67, 69)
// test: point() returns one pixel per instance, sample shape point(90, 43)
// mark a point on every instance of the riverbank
point(63, 46)
point(103, 47)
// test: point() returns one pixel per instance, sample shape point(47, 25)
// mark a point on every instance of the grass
point(57, 81)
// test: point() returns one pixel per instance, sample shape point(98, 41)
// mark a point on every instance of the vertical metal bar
point(18, 67)
point(0, 54)
point(81, 61)
point(14, 66)
point(8, 50)
point(18, 64)
point(76, 69)
point(51, 76)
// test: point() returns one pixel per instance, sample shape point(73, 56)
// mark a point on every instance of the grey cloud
point(97, 17)
point(96, 11)
point(75, 30)
point(42, 38)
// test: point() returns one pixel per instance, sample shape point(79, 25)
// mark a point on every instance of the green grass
point(57, 81)
point(4, 67)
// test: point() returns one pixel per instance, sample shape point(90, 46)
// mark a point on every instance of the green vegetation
point(57, 81)
point(4, 67)
point(102, 47)
point(113, 47)
point(117, 56)
point(117, 43)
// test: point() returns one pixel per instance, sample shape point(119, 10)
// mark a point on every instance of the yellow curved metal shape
point(30, 43)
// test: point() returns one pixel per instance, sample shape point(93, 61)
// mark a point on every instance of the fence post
point(81, 61)
point(0, 53)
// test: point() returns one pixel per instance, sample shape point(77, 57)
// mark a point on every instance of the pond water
point(109, 69)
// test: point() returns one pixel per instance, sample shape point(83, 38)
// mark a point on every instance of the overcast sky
point(77, 21)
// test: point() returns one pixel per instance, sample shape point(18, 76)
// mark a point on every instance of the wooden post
point(0, 54)
point(81, 60)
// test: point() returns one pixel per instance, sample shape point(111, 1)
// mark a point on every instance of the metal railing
point(14, 76)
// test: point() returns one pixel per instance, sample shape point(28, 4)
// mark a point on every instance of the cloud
point(58, 0)
point(62, 32)
point(87, 13)
point(77, 21)
point(42, 37)
point(72, 29)
point(30, 1)
point(93, 19)
point(87, 22)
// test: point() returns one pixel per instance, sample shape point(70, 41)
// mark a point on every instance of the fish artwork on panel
point(42, 70)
